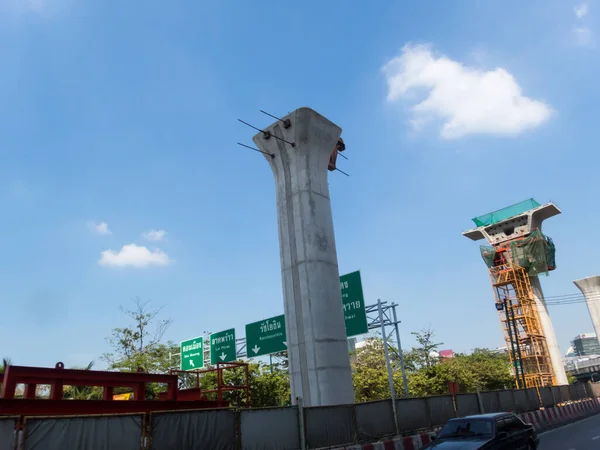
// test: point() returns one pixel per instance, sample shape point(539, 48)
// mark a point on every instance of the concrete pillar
point(319, 363)
point(590, 287)
point(548, 330)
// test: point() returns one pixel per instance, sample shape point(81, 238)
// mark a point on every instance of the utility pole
point(389, 366)
point(400, 352)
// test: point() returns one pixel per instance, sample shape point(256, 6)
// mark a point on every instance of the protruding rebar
point(257, 150)
point(286, 122)
point(267, 134)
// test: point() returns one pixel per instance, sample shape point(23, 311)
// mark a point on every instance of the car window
point(513, 423)
point(509, 424)
point(501, 426)
point(467, 428)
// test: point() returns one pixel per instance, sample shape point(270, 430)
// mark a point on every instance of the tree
point(5, 363)
point(482, 370)
point(135, 346)
point(369, 371)
point(424, 355)
point(139, 347)
point(268, 388)
point(83, 392)
point(271, 388)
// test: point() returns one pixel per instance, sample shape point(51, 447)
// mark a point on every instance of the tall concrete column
point(548, 330)
point(590, 287)
point(319, 363)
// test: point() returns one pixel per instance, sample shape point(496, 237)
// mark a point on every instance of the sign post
point(265, 337)
point(222, 346)
point(353, 301)
point(192, 354)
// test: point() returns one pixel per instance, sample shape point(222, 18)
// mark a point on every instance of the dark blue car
point(498, 431)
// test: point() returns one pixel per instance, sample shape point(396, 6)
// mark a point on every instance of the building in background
point(446, 354)
point(503, 350)
point(586, 345)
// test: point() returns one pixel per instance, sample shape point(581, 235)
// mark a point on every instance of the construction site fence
point(292, 427)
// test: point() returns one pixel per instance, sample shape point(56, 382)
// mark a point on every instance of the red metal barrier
point(59, 377)
point(221, 385)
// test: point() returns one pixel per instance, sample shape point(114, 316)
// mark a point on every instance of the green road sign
point(222, 347)
point(192, 354)
point(266, 336)
point(354, 304)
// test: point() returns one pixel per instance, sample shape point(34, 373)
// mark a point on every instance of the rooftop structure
point(586, 345)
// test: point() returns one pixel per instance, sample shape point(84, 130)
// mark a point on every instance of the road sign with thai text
point(222, 346)
point(265, 337)
point(353, 302)
point(192, 354)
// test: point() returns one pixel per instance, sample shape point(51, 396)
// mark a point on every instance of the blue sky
point(124, 114)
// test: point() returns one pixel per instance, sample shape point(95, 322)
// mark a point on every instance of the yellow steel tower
point(520, 321)
point(518, 253)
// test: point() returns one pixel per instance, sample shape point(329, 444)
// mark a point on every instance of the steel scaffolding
point(521, 326)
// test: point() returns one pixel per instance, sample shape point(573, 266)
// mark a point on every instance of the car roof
point(485, 416)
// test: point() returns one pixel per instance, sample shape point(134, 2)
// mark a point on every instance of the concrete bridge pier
point(298, 149)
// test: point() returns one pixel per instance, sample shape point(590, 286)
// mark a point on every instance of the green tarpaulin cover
point(505, 213)
point(536, 253)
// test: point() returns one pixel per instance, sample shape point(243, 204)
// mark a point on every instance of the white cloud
point(467, 100)
point(154, 235)
point(133, 255)
point(581, 10)
point(100, 228)
point(583, 35)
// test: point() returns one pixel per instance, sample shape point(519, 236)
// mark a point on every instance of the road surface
point(581, 435)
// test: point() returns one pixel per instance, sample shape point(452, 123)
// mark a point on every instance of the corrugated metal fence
point(273, 428)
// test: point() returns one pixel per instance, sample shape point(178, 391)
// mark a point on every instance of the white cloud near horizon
point(132, 255)
point(154, 235)
point(583, 34)
point(467, 100)
point(581, 10)
point(99, 228)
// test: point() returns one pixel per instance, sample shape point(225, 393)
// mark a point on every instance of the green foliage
point(369, 371)
point(423, 356)
point(271, 388)
point(138, 347)
point(5, 363)
point(481, 370)
point(267, 388)
point(83, 392)
point(427, 374)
